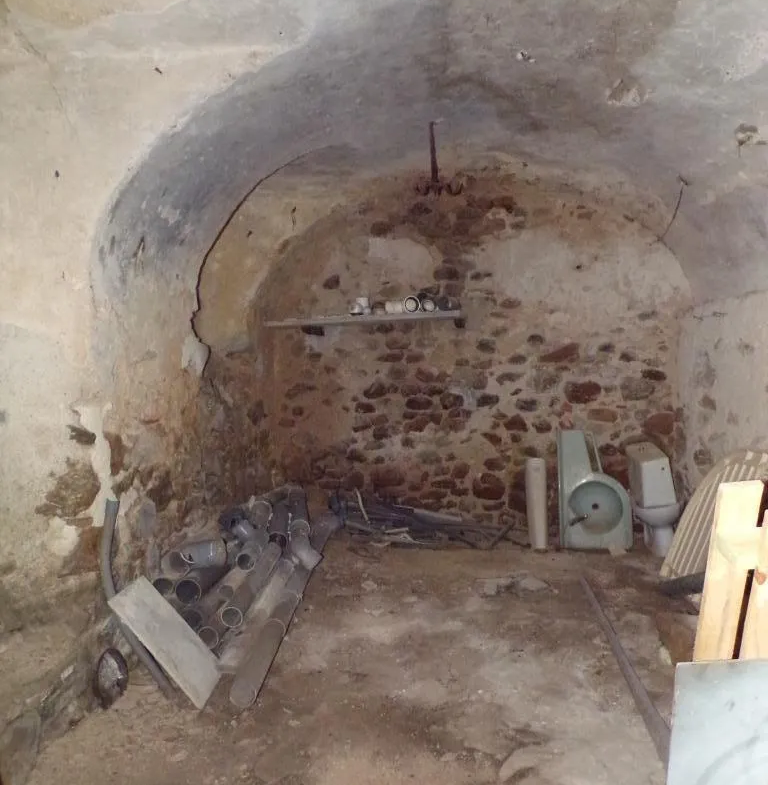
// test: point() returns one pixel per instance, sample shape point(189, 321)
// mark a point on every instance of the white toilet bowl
point(657, 526)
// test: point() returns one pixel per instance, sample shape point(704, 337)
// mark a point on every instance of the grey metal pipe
point(260, 512)
point(196, 583)
point(173, 565)
point(250, 678)
point(240, 645)
point(297, 504)
point(214, 630)
point(204, 553)
point(209, 636)
point(300, 546)
point(233, 612)
point(108, 584)
point(252, 550)
point(655, 724)
point(164, 585)
point(276, 495)
point(278, 524)
point(192, 616)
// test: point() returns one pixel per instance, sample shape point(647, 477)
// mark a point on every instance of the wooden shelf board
point(346, 319)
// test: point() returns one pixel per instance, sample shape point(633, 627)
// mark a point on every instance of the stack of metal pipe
point(250, 576)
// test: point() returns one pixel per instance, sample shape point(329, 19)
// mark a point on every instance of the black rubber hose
point(688, 584)
point(108, 583)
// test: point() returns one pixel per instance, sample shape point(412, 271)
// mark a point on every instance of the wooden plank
point(183, 656)
point(346, 319)
point(736, 513)
point(754, 641)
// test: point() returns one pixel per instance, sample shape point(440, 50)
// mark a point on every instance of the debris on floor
point(411, 527)
point(520, 584)
point(236, 594)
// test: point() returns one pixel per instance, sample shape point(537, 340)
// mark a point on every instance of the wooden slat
point(183, 656)
point(754, 642)
point(736, 513)
point(347, 319)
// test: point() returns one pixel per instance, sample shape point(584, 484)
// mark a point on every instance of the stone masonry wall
point(724, 381)
point(572, 321)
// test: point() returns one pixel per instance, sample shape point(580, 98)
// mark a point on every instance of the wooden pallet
point(733, 620)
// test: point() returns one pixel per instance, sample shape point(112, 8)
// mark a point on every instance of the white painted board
point(183, 656)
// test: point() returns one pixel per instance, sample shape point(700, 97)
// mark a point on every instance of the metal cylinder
point(208, 636)
point(252, 550)
point(233, 612)
point(173, 565)
point(260, 512)
point(300, 547)
point(195, 583)
point(278, 525)
point(204, 553)
point(192, 617)
point(164, 585)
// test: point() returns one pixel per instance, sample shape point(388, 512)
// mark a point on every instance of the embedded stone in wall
point(582, 392)
point(418, 403)
point(492, 438)
point(563, 354)
point(331, 282)
point(451, 400)
point(703, 458)
point(508, 376)
point(487, 399)
point(636, 389)
point(386, 477)
point(542, 426)
point(516, 423)
point(708, 402)
point(488, 486)
point(517, 359)
point(545, 379)
point(390, 357)
point(527, 404)
point(602, 414)
point(661, 423)
point(377, 389)
point(486, 345)
point(73, 492)
point(654, 375)
point(299, 389)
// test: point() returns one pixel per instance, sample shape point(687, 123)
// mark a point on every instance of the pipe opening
point(226, 592)
point(245, 561)
point(188, 591)
point(192, 617)
point(209, 637)
point(231, 617)
point(164, 586)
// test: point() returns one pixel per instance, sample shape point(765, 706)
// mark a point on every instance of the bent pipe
point(252, 674)
point(300, 547)
point(278, 524)
point(252, 549)
point(204, 553)
point(233, 613)
point(173, 565)
point(196, 583)
point(108, 584)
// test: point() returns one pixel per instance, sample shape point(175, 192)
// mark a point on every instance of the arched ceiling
point(644, 95)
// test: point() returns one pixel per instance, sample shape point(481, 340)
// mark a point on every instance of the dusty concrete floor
point(399, 670)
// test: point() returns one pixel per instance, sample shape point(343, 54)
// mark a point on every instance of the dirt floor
point(406, 666)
